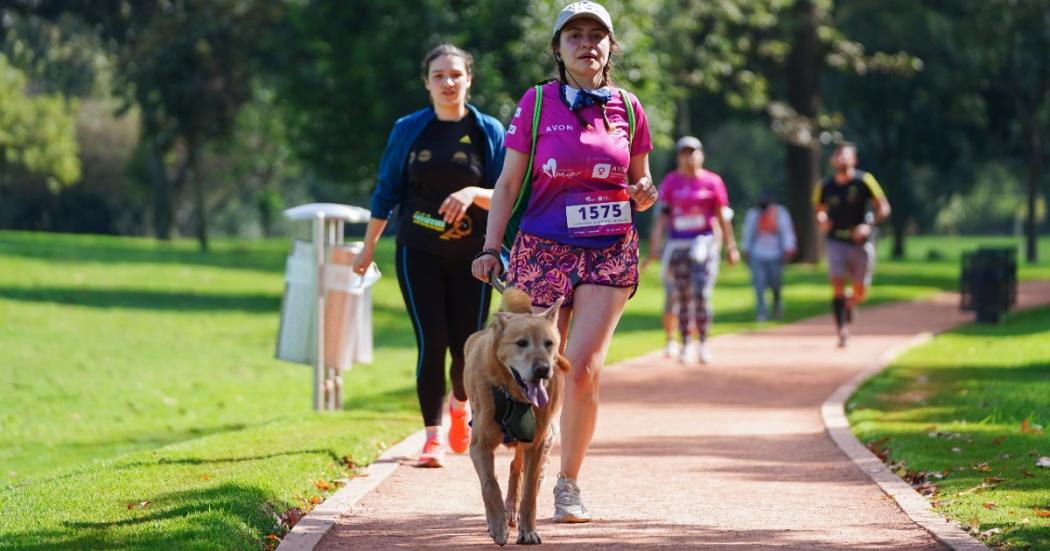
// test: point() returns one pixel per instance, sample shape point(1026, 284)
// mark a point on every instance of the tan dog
point(513, 367)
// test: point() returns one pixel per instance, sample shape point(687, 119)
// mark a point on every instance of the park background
point(171, 134)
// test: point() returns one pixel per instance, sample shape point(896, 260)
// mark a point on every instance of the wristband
point(490, 252)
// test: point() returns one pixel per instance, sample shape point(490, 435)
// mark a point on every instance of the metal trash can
point(988, 282)
point(326, 312)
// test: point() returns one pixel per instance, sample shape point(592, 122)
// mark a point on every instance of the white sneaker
point(705, 354)
point(568, 508)
point(690, 353)
point(672, 349)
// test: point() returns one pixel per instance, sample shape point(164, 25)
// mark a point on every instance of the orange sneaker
point(433, 453)
point(459, 430)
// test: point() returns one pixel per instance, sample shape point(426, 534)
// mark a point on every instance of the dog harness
point(516, 419)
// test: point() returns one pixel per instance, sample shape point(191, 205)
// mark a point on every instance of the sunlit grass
point(958, 406)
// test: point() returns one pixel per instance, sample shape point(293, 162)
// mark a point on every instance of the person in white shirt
point(768, 242)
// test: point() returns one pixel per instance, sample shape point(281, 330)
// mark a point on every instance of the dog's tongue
point(536, 394)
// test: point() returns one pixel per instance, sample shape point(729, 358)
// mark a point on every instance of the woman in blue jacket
point(439, 168)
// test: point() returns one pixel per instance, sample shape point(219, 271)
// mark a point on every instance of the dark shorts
point(548, 270)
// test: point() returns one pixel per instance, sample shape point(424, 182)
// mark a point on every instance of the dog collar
point(515, 418)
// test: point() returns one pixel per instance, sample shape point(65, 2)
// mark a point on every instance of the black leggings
point(446, 305)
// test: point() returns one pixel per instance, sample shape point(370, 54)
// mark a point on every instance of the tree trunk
point(802, 176)
point(899, 227)
point(901, 199)
point(199, 204)
point(683, 123)
point(803, 159)
point(1035, 174)
point(163, 202)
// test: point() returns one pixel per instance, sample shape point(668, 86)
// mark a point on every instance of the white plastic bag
point(348, 308)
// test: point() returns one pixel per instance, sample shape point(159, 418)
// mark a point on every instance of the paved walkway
point(732, 455)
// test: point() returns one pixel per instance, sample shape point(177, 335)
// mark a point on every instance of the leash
point(496, 283)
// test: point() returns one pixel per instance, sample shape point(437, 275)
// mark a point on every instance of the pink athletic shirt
point(692, 203)
point(579, 176)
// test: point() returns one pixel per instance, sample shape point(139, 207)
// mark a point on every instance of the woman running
point(577, 236)
point(439, 167)
point(694, 201)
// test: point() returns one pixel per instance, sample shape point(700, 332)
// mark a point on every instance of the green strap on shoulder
point(630, 116)
point(525, 190)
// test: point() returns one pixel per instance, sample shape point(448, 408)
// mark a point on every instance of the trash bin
point(348, 308)
point(326, 312)
point(988, 282)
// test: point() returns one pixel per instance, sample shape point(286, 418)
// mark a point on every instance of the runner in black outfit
point(841, 202)
point(439, 168)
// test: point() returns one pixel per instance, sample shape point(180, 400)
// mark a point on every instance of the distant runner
point(841, 203)
point(693, 211)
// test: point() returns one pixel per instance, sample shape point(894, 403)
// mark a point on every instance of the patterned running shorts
point(548, 270)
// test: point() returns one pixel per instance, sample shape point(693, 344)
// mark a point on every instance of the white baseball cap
point(688, 142)
point(585, 8)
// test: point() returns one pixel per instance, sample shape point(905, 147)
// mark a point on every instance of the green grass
point(972, 389)
point(143, 371)
point(139, 369)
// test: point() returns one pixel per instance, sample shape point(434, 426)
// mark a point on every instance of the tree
point(1006, 40)
point(345, 74)
point(37, 136)
point(186, 66)
point(916, 120)
point(767, 56)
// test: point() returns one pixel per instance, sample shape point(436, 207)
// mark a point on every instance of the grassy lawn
point(142, 373)
point(951, 415)
point(145, 372)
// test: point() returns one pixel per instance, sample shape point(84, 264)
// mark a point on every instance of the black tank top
point(446, 158)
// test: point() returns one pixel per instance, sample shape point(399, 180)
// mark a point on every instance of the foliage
point(926, 135)
point(995, 204)
point(186, 66)
point(347, 75)
point(36, 132)
point(1003, 51)
point(256, 174)
point(64, 56)
point(336, 77)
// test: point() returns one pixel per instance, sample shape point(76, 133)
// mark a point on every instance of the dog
point(514, 369)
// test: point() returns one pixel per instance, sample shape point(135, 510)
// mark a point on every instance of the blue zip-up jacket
point(390, 190)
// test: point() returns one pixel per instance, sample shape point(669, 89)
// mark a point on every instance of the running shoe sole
point(429, 463)
point(569, 518)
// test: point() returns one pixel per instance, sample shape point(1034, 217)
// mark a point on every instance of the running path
point(731, 455)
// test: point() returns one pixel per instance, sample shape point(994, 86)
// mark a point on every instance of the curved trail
point(731, 455)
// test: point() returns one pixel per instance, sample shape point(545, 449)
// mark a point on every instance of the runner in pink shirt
point(577, 239)
point(572, 166)
point(693, 203)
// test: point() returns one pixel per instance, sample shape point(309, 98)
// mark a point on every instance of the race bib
point(690, 223)
point(690, 217)
point(598, 213)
